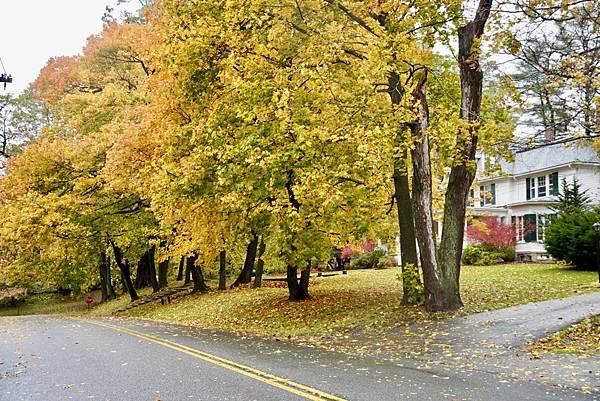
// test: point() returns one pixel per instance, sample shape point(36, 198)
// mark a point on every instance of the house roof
point(550, 156)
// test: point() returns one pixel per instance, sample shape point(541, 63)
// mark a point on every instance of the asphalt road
point(49, 358)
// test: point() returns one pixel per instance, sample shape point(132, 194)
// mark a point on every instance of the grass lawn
point(582, 338)
point(47, 304)
point(365, 299)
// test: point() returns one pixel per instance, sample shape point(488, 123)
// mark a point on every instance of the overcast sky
point(32, 31)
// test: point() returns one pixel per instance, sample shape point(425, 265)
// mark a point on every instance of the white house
point(524, 190)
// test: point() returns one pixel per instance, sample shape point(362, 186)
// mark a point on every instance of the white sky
point(32, 31)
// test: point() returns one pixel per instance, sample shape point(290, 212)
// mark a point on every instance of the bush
point(387, 262)
point(12, 297)
point(486, 255)
point(412, 284)
point(368, 260)
point(489, 231)
point(571, 237)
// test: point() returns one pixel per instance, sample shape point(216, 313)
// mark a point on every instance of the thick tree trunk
point(260, 264)
point(125, 268)
point(223, 270)
point(181, 267)
point(463, 171)
point(298, 288)
point(422, 198)
point(197, 275)
point(406, 224)
point(246, 273)
point(152, 269)
point(142, 276)
point(163, 273)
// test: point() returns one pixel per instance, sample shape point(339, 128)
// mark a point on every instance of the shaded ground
point(49, 358)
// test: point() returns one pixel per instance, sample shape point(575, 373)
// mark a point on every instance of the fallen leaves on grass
point(582, 338)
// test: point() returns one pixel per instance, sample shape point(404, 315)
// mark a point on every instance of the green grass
point(363, 299)
point(45, 305)
point(582, 338)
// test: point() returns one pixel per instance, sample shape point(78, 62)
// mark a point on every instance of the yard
point(362, 299)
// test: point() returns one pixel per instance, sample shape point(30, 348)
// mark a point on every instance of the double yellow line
point(275, 381)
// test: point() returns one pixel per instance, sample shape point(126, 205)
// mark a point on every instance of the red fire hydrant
point(89, 301)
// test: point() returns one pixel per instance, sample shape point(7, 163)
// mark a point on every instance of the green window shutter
point(513, 222)
point(554, 184)
point(528, 188)
point(530, 227)
point(493, 192)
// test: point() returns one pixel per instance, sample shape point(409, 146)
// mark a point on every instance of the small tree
point(571, 197)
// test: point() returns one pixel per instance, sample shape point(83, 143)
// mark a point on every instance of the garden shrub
point(572, 238)
point(486, 255)
point(387, 262)
point(368, 260)
point(493, 243)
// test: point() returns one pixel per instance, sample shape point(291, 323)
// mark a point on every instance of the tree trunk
point(406, 224)
point(110, 288)
point(260, 265)
point(152, 269)
point(223, 270)
point(197, 275)
point(125, 268)
point(463, 171)
point(163, 273)
point(246, 273)
point(298, 288)
point(181, 267)
point(188, 272)
point(142, 277)
point(108, 292)
point(422, 195)
point(103, 285)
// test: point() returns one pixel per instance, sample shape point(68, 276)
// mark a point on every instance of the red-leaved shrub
point(489, 231)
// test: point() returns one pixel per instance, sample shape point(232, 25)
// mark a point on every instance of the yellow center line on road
point(275, 381)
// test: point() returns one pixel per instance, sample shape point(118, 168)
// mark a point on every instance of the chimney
point(549, 135)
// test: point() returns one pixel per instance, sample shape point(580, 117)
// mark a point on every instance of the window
point(487, 195)
point(531, 188)
point(541, 186)
point(471, 201)
point(538, 187)
point(481, 195)
point(525, 228)
point(543, 221)
point(530, 228)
